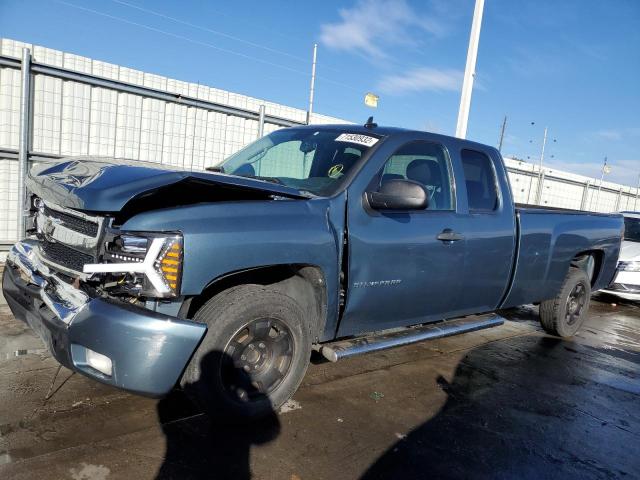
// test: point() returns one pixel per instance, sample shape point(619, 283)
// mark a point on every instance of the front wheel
point(254, 355)
point(565, 314)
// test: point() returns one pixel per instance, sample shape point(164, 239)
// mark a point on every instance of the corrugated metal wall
point(74, 118)
point(568, 190)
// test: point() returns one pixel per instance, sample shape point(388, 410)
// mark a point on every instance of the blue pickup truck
point(340, 239)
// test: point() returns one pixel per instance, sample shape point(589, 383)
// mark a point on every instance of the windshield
point(632, 229)
point(308, 160)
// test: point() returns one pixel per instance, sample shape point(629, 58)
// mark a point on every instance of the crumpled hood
point(107, 185)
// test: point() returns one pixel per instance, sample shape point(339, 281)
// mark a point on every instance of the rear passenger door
point(489, 230)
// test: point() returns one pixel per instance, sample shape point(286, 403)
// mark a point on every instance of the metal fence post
point(618, 200)
point(540, 186)
point(261, 122)
point(585, 195)
point(531, 177)
point(23, 151)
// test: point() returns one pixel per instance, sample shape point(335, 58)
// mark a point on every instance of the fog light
point(100, 362)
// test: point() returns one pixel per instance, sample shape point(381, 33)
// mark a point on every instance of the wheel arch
point(303, 282)
point(591, 262)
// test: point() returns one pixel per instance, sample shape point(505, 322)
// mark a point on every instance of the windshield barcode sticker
point(365, 140)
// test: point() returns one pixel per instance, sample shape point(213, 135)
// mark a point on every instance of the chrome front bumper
point(62, 299)
point(148, 350)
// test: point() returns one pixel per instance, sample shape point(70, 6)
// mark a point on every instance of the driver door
point(402, 270)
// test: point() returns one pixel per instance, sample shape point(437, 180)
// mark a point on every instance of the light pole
point(469, 71)
point(313, 83)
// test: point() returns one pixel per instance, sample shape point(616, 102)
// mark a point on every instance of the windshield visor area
point(309, 160)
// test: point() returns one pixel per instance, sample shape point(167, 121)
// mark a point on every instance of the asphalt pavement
point(509, 402)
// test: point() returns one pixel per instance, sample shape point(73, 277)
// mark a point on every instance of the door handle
point(449, 235)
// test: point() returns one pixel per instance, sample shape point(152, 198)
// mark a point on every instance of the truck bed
point(530, 208)
point(548, 241)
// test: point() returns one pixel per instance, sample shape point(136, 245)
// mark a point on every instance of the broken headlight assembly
point(142, 264)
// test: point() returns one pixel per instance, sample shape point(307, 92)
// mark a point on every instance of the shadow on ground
point(209, 446)
point(527, 407)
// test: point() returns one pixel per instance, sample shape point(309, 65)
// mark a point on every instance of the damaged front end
point(89, 250)
point(90, 291)
point(107, 301)
point(79, 205)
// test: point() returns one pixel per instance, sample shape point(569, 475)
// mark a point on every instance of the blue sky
point(573, 65)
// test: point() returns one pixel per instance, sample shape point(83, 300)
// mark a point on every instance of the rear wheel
point(565, 314)
point(254, 355)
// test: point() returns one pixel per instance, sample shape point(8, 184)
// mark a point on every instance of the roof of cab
point(349, 127)
point(388, 131)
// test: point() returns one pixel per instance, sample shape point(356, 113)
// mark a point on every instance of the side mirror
point(399, 194)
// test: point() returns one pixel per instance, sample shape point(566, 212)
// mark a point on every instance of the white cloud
point(618, 134)
point(609, 134)
point(421, 79)
point(371, 26)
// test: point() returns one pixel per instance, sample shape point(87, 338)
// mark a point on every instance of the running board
point(334, 351)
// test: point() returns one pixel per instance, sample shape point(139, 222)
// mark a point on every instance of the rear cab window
point(480, 181)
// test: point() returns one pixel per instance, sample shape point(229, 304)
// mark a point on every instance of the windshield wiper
point(275, 180)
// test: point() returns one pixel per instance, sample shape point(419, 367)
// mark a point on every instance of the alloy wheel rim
point(575, 303)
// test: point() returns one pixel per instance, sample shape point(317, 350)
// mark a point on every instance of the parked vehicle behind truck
point(341, 239)
point(626, 283)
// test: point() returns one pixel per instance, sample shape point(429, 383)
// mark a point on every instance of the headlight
point(156, 258)
point(629, 266)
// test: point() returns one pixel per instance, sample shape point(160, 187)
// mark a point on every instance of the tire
point(253, 357)
point(564, 315)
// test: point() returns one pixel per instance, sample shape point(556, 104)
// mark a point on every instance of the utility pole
point(504, 126)
point(313, 83)
point(469, 71)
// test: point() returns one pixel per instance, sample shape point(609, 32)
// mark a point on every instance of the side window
point(426, 163)
point(480, 180)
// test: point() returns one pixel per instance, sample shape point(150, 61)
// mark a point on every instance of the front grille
point(74, 223)
point(65, 256)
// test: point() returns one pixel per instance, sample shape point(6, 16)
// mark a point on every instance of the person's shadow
point(201, 446)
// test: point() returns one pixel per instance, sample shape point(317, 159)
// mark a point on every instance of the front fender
point(226, 237)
